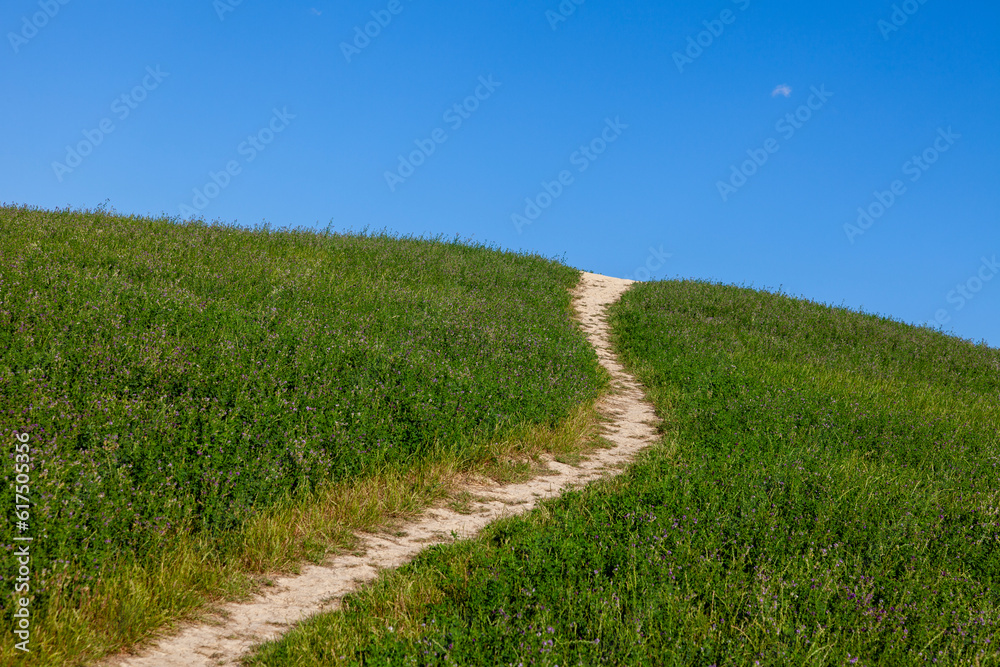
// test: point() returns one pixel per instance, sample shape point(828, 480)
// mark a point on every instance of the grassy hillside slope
point(826, 493)
point(177, 382)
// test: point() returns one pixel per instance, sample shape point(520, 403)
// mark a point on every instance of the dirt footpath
point(320, 588)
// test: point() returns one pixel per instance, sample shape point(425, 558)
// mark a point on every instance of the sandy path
point(320, 588)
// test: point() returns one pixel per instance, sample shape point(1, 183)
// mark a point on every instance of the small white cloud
point(315, 11)
point(783, 89)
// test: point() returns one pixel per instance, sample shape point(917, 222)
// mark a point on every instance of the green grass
point(825, 493)
point(199, 398)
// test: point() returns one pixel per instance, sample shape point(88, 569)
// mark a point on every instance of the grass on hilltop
point(825, 493)
point(206, 403)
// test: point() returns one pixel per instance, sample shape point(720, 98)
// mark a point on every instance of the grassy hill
point(825, 493)
point(191, 394)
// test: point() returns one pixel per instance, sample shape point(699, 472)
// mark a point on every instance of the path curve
point(320, 588)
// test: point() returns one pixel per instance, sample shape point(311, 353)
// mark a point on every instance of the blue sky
point(730, 140)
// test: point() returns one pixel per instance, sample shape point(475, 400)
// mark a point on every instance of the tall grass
point(825, 493)
point(181, 382)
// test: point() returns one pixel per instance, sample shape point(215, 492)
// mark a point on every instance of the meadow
point(825, 493)
point(193, 392)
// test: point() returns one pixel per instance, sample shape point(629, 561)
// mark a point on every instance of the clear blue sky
point(622, 121)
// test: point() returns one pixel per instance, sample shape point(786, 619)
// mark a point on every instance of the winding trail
point(240, 626)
